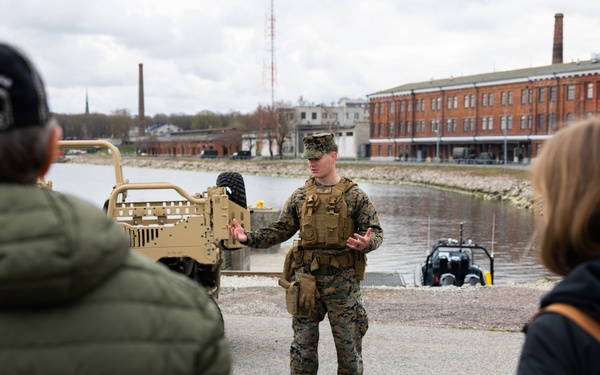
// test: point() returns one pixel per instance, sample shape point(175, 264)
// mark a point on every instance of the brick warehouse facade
point(519, 108)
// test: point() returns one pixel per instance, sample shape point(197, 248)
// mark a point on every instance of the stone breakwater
point(495, 185)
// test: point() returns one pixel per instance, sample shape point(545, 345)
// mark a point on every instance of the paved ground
point(260, 345)
point(260, 334)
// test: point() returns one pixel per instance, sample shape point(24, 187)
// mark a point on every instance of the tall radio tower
point(270, 70)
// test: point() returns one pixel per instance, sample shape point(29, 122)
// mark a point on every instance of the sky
point(216, 55)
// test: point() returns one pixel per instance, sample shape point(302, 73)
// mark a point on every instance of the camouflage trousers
point(341, 300)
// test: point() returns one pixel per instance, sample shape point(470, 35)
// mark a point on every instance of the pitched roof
point(536, 73)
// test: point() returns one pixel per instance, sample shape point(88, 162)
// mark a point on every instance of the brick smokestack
point(557, 49)
point(141, 115)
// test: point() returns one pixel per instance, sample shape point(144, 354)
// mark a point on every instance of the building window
point(357, 116)
point(391, 128)
point(400, 126)
point(589, 92)
point(530, 96)
point(314, 115)
point(571, 92)
point(569, 118)
point(510, 98)
point(439, 103)
point(541, 92)
point(466, 101)
point(503, 98)
point(483, 100)
point(484, 123)
point(529, 121)
point(346, 116)
point(433, 104)
point(390, 151)
point(510, 122)
point(490, 123)
point(448, 125)
point(472, 121)
point(449, 102)
point(472, 100)
point(433, 129)
point(374, 130)
point(552, 120)
point(324, 115)
point(303, 115)
point(408, 105)
point(553, 94)
point(335, 116)
point(465, 123)
point(454, 125)
point(408, 127)
point(455, 100)
point(423, 105)
point(523, 96)
point(523, 122)
point(541, 121)
point(391, 107)
point(491, 99)
point(381, 109)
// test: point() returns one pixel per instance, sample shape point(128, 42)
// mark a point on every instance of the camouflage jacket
point(360, 208)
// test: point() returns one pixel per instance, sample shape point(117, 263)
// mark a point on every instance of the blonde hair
point(566, 176)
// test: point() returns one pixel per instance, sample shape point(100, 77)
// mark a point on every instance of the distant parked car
point(241, 155)
point(209, 154)
point(486, 158)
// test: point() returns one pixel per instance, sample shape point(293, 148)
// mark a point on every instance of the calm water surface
point(412, 217)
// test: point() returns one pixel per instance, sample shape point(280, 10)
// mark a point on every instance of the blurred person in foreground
point(566, 182)
point(73, 298)
point(338, 225)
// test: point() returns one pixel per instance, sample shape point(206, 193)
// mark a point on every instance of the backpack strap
point(578, 317)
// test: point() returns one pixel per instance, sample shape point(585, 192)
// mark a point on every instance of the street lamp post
point(505, 141)
point(437, 148)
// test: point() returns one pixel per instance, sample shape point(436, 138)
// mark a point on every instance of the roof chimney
point(141, 115)
point(557, 49)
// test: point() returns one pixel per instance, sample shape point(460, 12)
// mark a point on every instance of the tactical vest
point(325, 223)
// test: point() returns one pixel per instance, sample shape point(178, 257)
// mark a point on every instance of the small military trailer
point(186, 234)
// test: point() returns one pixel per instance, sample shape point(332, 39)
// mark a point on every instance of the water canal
point(412, 217)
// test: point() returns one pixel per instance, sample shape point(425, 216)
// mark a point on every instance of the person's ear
point(51, 149)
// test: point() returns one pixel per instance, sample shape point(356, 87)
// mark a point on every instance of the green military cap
point(317, 145)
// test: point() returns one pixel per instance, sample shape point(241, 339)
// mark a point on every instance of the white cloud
point(202, 54)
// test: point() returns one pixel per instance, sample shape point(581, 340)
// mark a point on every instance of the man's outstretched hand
point(236, 231)
point(358, 242)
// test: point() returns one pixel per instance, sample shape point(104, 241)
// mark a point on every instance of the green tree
point(206, 120)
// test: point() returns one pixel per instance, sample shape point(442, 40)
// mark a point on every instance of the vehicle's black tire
point(236, 189)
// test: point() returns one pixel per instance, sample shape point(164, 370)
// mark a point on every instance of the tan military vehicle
point(187, 234)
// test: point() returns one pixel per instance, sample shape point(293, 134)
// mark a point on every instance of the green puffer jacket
point(75, 300)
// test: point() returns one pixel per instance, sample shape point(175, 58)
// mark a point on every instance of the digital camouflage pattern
point(341, 300)
point(317, 145)
point(360, 208)
point(340, 297)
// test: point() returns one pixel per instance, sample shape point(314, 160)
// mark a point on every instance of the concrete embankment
point(488, 182)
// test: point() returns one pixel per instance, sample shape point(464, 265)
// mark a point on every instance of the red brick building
point(192, 142)
point(520, 109)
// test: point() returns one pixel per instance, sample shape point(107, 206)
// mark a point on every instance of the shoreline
point(493, 185)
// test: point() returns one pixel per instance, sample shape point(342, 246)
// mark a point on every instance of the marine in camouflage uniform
point(338, 288)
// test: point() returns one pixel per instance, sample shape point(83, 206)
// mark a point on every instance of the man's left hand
point(359, 242)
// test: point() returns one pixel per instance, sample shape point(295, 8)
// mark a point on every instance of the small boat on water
point(452, 262)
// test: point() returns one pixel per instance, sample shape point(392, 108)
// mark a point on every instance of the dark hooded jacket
point(556, 345)
point(75, 300)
